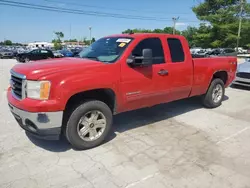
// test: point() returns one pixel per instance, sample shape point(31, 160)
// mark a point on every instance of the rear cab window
point(176, 50)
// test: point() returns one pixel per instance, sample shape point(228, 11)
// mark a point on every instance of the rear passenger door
point(180, 67)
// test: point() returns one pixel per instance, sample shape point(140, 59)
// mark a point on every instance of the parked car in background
point(214, 52)
point(57, 54)
point(76, 51)
point(241, 50)
point(6, 54)
point(202, 53)
point(195, 50)
point(34, 55)
point(227, 52)
point(243, 74)
point(66, 53)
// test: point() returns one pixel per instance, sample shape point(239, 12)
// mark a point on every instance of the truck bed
point(203, 68)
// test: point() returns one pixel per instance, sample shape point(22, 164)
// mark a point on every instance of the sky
point(27, 25)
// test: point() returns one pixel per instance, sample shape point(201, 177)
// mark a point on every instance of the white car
point(195, 50)
point(243, 74)
point(57, 54)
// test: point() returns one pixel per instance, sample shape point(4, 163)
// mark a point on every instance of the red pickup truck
point(77, 97)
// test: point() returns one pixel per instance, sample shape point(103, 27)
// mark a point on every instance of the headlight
point(38, 89)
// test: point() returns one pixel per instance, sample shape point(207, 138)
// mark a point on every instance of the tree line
point(220, 25)
point(59, 36)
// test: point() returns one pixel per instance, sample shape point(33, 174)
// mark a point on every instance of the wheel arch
point(221, 74)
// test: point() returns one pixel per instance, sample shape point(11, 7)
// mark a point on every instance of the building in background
point(34, 45)
point(73, 44)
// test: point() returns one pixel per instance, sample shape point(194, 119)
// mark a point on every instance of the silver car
point(243, 74)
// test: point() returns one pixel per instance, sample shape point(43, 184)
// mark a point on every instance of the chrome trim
point(15, 96)
point(133, 93)
point(42, 120)
point(24, 86)
point(21, 76)
point(24, 83)
point(242, 79)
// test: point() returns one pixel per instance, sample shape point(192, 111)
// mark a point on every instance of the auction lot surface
point(177, 145)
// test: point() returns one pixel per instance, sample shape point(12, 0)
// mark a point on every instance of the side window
point(35, 51)
point(176, 50)
point(150, 43)
point(44, 51)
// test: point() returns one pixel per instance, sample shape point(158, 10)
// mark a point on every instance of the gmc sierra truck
point(77, 97)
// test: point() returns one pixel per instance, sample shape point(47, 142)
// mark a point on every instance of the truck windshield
point(106, 49)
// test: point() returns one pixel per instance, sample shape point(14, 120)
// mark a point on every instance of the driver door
point(144, 86)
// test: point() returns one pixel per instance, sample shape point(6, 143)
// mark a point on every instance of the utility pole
point(90, 39)
point(240, 23)
point(175, 20)
point(70, 31)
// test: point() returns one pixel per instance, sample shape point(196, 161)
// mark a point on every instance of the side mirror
point(145, 60)
point(147, 57)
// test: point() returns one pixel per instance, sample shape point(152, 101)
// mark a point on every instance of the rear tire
point(77, 136)
point(215, 94)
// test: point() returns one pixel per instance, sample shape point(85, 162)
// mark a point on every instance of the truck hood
point(35, 70)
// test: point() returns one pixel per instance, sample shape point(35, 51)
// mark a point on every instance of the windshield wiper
point(92, 57)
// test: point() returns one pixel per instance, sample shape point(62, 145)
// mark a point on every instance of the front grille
point(243, 75)
point(17, 85)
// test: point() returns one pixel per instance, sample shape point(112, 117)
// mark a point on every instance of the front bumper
point(44, 125)
point(242, 81)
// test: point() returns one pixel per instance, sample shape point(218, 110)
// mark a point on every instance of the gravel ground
point(178, 145)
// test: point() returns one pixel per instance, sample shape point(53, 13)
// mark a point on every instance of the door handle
point(163, 72)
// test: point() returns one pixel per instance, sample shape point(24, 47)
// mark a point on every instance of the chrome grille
point(17, 83)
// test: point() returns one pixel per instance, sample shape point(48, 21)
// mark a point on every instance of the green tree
point(7, 42)
point(93, 40)
point(58, 41)
point(71, 40)
point(164, 30)
point(190, 34)
point(223, 17)
point(59, 35)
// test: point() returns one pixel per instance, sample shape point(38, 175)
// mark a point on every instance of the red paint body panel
point(134, 87)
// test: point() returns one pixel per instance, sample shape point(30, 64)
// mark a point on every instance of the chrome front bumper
point(242, 81)
point(45, 125)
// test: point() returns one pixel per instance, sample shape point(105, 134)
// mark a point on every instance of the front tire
point(89, 125)
point(215, 94)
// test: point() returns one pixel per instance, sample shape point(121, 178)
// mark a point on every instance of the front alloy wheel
point(91, 126)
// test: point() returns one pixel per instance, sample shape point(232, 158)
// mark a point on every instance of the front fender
point(78, 84)
point(66, 84)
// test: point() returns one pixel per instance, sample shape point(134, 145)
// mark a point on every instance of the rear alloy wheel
point(215, 94)
point(88, 125)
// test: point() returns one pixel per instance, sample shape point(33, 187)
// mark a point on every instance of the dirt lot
point(177, 145)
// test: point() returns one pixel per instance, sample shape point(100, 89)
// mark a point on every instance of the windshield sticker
point(122, 44)
point(123, 40)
